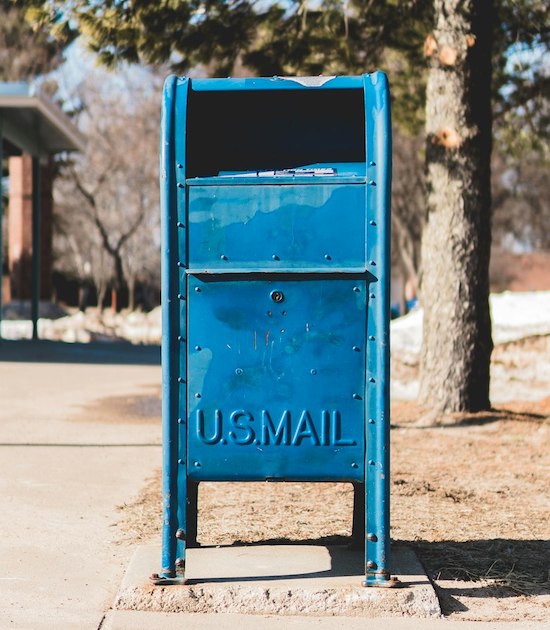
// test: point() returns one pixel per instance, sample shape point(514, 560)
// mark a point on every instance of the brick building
point(32, 131)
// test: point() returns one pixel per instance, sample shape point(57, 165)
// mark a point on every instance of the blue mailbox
point(275, 210)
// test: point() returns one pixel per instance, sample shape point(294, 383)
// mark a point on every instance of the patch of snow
point(514, 316)
point(519, 315)
point(136, 327)
point(406, 334)
point(404, 389)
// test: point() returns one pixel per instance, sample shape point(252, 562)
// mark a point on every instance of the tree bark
point(131, 294)
point(101, 296)
point(457, 343)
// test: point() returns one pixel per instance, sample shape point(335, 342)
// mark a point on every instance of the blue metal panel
point(179, 228)
point(378, 139)
point(173, 395)
point(303, 226)
point(276, 378)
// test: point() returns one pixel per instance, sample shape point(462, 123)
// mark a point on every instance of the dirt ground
point(469, 494)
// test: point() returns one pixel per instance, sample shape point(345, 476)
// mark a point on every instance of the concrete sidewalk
point(132, 620)
point(67, 460)
point(65, 465)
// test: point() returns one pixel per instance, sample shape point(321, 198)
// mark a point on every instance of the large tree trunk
point(457, 344)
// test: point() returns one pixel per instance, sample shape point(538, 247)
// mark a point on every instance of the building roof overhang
point(30, 123)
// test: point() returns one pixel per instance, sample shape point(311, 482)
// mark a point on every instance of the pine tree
point(25, 52)
point(468, 45)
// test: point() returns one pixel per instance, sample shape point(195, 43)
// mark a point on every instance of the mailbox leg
point(377, 496)
point(377, 514)
point(174, 511)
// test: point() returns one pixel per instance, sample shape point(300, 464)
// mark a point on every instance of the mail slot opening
point(236, 131)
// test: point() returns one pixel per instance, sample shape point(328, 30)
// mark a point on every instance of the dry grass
point(470, 494)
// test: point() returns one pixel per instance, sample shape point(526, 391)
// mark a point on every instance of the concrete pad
point(135, 620)
point(278, 579)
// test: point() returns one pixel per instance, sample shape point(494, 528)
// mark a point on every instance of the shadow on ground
point(100, 353)
point(479, 419)
point(513, 567)
point(129, 409)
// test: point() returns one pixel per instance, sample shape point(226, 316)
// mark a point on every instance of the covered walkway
point(32, 131)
